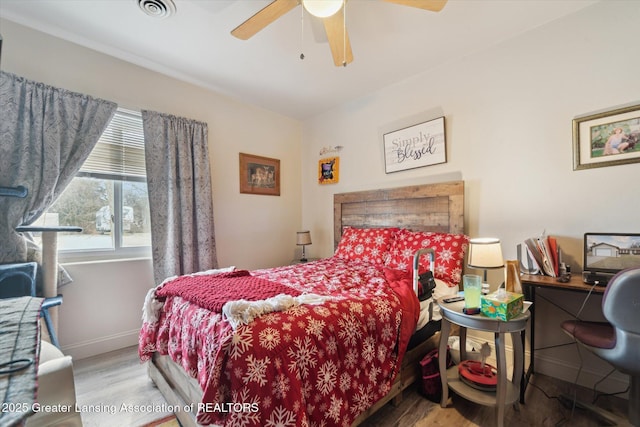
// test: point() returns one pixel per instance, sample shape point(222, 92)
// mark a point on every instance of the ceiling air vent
point(157, 8)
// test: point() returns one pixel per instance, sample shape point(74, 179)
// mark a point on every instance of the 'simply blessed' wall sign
point(415, 146)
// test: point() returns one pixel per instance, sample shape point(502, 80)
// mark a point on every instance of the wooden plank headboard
point(428, 207)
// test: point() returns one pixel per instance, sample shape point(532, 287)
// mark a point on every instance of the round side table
point(507, 392)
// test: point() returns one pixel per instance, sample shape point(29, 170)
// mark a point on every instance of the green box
point(503, 307)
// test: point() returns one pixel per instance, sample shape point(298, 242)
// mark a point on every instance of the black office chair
point(618, 340)
point(19, 280)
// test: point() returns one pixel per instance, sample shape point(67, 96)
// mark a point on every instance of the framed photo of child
point(607, 138)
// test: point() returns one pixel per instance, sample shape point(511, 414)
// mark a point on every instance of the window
point(107, 198)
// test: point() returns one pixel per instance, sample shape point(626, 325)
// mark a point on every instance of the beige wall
point(508, 112)
point(251, 231)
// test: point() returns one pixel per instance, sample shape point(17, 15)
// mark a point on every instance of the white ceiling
point(390, 43)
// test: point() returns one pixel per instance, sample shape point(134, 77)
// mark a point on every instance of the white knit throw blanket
point(242, 312)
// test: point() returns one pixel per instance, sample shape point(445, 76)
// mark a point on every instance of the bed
point(343, 338)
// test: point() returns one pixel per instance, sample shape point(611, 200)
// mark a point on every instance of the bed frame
point(430, 207)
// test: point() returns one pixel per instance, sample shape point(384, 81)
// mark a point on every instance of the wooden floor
point(109, 381)
point(112, 384)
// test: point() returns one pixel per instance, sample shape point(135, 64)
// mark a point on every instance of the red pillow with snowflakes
point(450, 253)
point(366, 244)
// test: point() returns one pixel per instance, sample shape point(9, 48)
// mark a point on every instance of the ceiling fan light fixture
point(322, 8)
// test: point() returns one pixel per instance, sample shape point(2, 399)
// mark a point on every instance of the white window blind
point(119, 153)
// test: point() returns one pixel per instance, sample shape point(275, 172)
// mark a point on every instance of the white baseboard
point(93, 347)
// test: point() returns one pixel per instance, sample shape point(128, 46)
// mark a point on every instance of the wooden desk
point(530, 283)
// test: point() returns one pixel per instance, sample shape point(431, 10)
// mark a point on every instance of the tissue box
point(504, 307)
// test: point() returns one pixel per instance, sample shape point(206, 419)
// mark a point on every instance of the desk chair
point(618, 340)
point(19, 280)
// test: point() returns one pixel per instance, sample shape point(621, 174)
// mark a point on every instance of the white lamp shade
point(303, 238)
point(485, 252)
point(322, 8)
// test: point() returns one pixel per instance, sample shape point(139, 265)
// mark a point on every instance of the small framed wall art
point(415, 146)
point(607, 139)
point(329, 170)
point(259, 175)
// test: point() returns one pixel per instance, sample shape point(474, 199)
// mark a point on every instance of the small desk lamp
point(485, 253)
point(303, 238)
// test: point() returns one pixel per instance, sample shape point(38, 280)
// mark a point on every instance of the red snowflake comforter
point(310, 365)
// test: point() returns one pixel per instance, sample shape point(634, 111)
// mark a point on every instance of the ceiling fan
point(332, 14)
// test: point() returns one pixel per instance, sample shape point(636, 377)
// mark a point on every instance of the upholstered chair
point(55, 393)
point(56, 389)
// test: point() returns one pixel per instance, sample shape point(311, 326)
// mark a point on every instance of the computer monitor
point(608, 253)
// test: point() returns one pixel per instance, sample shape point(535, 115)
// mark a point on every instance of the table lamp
point(303, 238)
point(485, 253)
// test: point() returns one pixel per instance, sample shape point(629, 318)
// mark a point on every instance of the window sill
point(104, 261)
point(93, 256)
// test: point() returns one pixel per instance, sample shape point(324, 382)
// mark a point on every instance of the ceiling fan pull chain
point(301, 33)
point(344, 34)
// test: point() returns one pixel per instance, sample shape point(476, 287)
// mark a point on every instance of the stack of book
point(546, 254)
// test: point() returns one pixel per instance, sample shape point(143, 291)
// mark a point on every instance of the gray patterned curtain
point(46, 133)
point(180, 198)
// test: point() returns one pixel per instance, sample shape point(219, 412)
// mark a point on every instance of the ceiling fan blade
point(432, 5)
point(338, 39)
point(263, 17)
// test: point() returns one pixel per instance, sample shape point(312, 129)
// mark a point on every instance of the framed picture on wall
point(329, 170)
point(607, 139)
point(415, 146)
point(259, 175)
